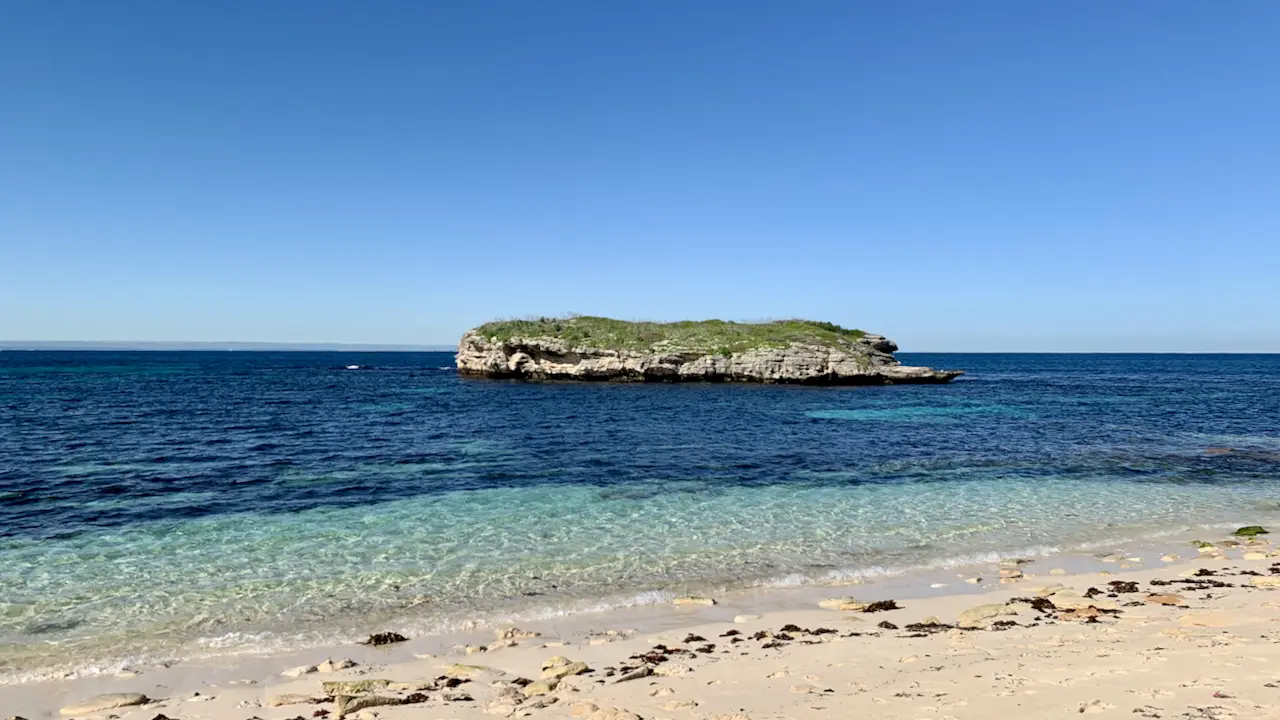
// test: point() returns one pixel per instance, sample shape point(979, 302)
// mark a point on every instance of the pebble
point(938, 585)
point(745, 618)
point(973, 580)
point(1169, 558)
point(693, 600)
point(1058, 571)
point(299, 671)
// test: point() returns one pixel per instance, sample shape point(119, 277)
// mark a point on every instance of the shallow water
point(172, 505)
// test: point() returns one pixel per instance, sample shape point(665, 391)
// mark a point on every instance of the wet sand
point(1193, 637)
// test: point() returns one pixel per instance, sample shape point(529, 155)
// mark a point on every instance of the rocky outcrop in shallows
point(866, 361)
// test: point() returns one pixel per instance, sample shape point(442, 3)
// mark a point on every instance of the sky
point(958, 176)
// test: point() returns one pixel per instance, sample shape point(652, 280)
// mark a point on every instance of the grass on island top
point(717, 336)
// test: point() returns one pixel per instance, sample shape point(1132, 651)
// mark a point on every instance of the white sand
point(1217, 658)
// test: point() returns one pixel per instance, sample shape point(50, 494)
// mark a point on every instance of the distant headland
point(597, 348)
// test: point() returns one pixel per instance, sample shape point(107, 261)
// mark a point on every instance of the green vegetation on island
point(712, 336)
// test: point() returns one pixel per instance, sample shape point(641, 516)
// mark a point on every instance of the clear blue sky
point(1091, 175)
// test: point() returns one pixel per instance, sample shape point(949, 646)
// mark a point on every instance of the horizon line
point(256, 346)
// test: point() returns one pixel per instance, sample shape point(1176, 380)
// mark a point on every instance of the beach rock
point(745, 618)
point(289, 699)
point(1166, 599)
point(675, 705)
point(1250, 531)
point(672, 669)
point(1058, 571)
point(973, 580)
point(555, 661)
point(468, 672)
point(299, 671)
point(1010, 573)
point(983, 615)
point(836, 603)
point(347, 704)
point(1271, 582)
point(540, 687)
point(1254, 555)
point(109, 701)
point(641, 672)
point(332, 666)
point(354, 687)
point(473, 649)
point(830, 358)
point(694, 600)
point(1083, 614)
point(501, 706)
point(582, 709)
point(515, 633)
point(1169, 558)
point(559, 672)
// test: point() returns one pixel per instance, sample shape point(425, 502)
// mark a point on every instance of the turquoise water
point(165, 506)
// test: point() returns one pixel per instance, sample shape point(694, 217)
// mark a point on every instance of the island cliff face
point(728, 352)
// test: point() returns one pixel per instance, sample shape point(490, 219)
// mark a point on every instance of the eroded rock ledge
point(829, 358)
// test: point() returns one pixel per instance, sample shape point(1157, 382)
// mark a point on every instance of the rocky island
point(596, 348)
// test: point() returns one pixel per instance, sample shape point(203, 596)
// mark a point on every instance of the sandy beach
point(1151, 637)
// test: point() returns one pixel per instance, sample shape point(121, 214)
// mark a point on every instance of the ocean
point(161, 506)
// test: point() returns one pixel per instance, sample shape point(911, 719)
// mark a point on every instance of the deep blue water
point(235, 483)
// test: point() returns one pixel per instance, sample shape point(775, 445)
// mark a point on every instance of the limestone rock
point(332, 666)
point(541, 687)
point(347, 704)
point(1268, 582)
point(110, 701)
point(745, 618)
point(515, 633)
point(467, 672)
point(289, 699)
point(983, 615)
point(835, 603)
point(354, 687)
point(559, 672)
point(299, 671)
point(555, 661)
point(1166, 599)
point(848, 360)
